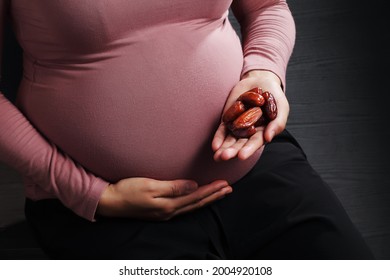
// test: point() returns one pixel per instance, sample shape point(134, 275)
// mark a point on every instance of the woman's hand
point(150, 199)
point(226, 146)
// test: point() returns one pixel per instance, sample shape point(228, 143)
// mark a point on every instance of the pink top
point(131, 88)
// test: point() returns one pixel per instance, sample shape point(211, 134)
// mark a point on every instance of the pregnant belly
point(120, 120)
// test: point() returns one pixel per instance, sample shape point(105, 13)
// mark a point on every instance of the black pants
point(281, 209)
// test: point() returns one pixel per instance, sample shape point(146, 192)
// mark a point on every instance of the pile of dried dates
point(253, 108)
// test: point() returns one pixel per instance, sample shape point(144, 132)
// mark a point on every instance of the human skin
point(226, 146)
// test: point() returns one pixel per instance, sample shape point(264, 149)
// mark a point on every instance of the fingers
point(219, 137)
point(201, 197)
point(175, 188)
point(254, 143)
point(205, 201)
point(202, 193)
point(279, 124)
point(169, 205)
point(229, 148)
point(150, 199)
point(242, 148)
point(166, 207)
point(185, 189)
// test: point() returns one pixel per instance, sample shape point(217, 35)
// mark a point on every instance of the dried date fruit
point(244, 132)
point(252, 109)
point(252, 99)
point(248, 118)
point(262, 121)
point(233, 112)
point(270, 108)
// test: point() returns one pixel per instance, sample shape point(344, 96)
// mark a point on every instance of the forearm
point(268, 31)
point(27, 151)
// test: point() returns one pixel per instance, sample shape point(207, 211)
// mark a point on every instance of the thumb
point(177, 188)
point(279, 124)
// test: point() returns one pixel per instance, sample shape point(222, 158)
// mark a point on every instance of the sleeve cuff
point(88, 210)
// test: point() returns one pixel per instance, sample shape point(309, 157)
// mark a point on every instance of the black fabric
point(281, 209)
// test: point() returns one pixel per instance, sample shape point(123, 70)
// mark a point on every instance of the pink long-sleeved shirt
point(117, 89)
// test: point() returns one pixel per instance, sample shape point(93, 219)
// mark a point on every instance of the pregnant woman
point(117, 131)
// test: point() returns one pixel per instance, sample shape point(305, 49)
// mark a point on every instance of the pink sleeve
point(268, 32)
point(28, 152)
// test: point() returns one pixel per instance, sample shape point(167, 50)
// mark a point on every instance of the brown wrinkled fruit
point(269, 107)
point(262, 121)
point(252, 109)
point(248, 118)
point(244, 132)
point(233, 112)
point(252, 99)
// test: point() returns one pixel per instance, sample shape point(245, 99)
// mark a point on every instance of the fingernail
point(229, 189)
point(243, 153)
point(224, 184)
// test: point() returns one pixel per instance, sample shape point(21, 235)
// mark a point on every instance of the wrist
point(106, 201)
point(263, 76)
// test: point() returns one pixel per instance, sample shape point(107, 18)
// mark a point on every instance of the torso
point(131, 88)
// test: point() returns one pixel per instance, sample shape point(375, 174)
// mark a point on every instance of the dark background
point(338, 91)
point(339, 97)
